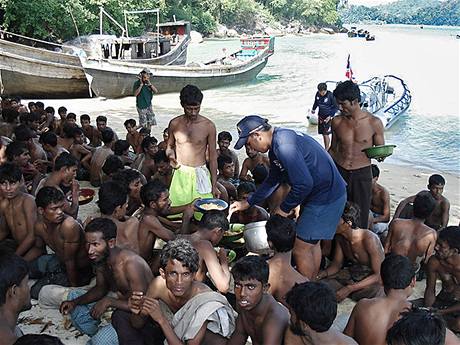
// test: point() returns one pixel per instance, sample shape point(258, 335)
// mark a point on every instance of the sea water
point(426, 59)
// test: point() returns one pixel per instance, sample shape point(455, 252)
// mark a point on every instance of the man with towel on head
point(190, 136)
point(316, 185)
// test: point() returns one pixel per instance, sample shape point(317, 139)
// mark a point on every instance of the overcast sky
point(369, 2)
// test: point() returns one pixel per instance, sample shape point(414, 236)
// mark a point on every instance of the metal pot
point(255, 238)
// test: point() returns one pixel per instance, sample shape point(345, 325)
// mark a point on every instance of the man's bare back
point(330, 337)
point(149, 229)
point(380, 195)
point(411, 238)
point(97, 161)
point(357, 250)
point(351, 135)
point(127, 233)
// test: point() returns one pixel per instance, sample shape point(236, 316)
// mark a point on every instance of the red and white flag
point(349, 72)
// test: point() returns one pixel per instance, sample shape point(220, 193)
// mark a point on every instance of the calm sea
point(427, 59)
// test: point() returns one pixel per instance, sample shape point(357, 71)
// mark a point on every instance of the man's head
point(226, 166)
point(251, 153)
point(18, 153)
point(62, 112)
point(23, 133)
point(40, 105)
point(250, 274)
point(113, 199)
point(155, 195)
point(10, 115)
point(280, 233)
point(179, 262)
point(130, 126)
point(190, 99)
point(107, 136)
point(50, 111)
point(32, 120)
point(67, 166)
point(322, 88)
point(418, 327)
point(100, 236)
point(375, 173)
point(313, 306)
point(112, 165)
point(254, 131)
point(244, 189)
point(14, 288)
point(71, 119)
point(131, 180)
point(397, 273)
point(78, 136)
point(68, 130)
point(145, 75)
point(448, 243)
point(165, 134)
point(349, 219)
point(162, 164)
point(101, 123)
point(424, 205)
point(436, 185)
point(48, 141)
point(38, 339)
point(85, 120)
point(348, 97)
point(32, 107)
point(121, 147)
point(10, 180)
point(50, 203)
point(149, 146)
point(214, 223)
point(223, 140)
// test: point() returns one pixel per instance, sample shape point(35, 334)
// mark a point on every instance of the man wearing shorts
point(316, 185)
point(325, 101)
point(144, 90)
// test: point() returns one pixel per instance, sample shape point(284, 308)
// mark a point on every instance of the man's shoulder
point(70, 224)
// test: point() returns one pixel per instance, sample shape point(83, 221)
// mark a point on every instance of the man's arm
point(213, 158)
point(350, 327)
point(237, 165)
point(170, 146)
point(267, 187)
point(275, 327)
point(155, 227)
point(137, 89)
point(244, 170)
point(336, 264)
point(30, 210)
point(403, 204)
point(217, 267)
point(239, 336)
point(431, 276)
point(432, 243)
point(378, 137)
point(445, 207)
point(71, 233)
point(389, 238)
point(334, 142)
point(385, 217)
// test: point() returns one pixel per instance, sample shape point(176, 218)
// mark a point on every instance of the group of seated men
point(183, 293)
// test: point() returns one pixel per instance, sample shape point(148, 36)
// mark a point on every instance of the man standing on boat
point(316, 185)
point(143, 90)
point(353, 130)
point(325, 101)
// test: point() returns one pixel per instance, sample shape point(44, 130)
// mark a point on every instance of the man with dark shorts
point(352, 131)
point(325, 101)
point(315, 182)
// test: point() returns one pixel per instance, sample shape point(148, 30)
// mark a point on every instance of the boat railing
point(403, 102)
point(33, 42)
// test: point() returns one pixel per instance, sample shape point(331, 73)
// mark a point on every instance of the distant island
point(418, 12)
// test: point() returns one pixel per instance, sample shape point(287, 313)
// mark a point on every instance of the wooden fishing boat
point(114, 79)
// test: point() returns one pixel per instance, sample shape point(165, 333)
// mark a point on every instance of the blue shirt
point(327, 104)
point(301, 161)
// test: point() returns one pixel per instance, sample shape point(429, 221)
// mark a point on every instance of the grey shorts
point(146, 117)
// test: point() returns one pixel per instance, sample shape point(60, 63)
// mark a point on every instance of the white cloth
point(208, 306)
point(203, 183)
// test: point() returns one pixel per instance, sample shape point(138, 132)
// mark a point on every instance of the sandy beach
point(401, 180)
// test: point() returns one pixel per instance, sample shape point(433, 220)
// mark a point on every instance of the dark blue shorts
point(319, 222)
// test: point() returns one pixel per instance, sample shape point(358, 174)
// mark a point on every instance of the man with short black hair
point(313, 309)
point(380, 204)
point(224, 139)
point(14, 295)
point(143, 89)
point(325, 101)
point(254, 213)
point(164, 170)
point(99, 157)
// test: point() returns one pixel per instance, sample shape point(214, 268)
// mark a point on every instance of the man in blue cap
point(316, 185)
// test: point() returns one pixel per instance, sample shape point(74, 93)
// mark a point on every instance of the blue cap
point(247, 126)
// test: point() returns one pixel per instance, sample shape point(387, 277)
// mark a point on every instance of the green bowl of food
point(379, 152)
point(234, 232)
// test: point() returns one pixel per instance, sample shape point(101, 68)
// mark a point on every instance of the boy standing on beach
point(144, 90)
point(352, 131)
point(190, 136)
point(18, 210)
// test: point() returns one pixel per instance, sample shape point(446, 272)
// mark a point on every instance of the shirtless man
point(63, 178)
point(24, 134)
point(89, 131)
point(352, 131)
point(62, 234)
point(380, 204)
point(281, 238)
point(224, 139)
point(133, 137)
point(175, 288)
point(50, 145)
point(371, 318)
point(226, 169)
point(164, 170)
point(257, 164)
point(363, 248)
point(132, 181)
point(81, 153)
point(445, 265)
point(163, 144)
point(18, 154)
point(439, 218)
point(67, 138)
point(14, 295)
point(117, 270)
point(254, 213)
point(191, 135)
point(260, 316)
point(113, 204)
point(411, 237)
point(99, 157)
point(147, 166)
point(313, 308)
point(18, 210)
point(210, 231)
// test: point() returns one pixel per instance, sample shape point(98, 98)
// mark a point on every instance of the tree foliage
point(52, 19)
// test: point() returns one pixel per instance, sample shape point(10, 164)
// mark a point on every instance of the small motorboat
point(370, 37)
